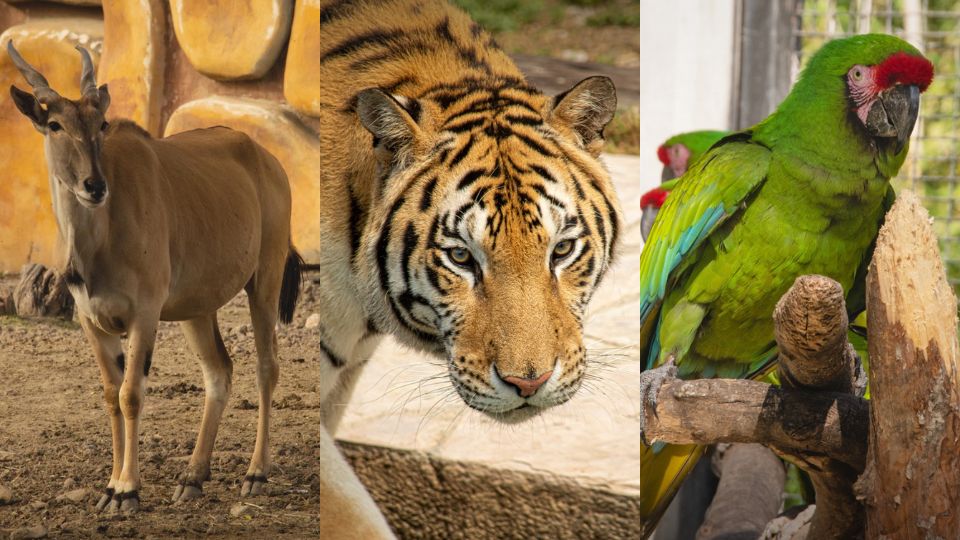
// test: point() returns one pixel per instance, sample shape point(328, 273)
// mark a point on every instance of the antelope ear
point(30, 107)
point(585, 110)
point(392, 121)
point(103, 98)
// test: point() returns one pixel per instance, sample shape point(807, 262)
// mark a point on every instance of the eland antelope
point(164, 229)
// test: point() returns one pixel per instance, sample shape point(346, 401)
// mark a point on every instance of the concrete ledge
point(428, 497)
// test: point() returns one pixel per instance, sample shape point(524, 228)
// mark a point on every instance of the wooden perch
point(815, 419)
point(911, 487)
point(711, 411)
point(814, 354)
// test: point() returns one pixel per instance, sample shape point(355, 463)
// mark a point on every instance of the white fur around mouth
point(505, 404)
point(88, 202)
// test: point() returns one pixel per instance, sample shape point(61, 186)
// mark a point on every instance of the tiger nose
point(528, 387)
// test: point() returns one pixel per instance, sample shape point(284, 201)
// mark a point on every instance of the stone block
point(282, 132)
point(301, 77)
point(226, 39)
point(134, 48)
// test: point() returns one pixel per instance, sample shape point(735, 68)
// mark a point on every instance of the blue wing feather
point(706, 196)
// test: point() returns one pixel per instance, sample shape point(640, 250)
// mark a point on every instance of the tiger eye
point(562, 249)
point(459, 255)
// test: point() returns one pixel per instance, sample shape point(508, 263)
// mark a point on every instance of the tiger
point(463, 211)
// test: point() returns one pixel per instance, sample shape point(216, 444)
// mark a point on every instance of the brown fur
point(180, 226)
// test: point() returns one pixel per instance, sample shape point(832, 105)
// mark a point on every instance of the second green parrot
point(676, 154)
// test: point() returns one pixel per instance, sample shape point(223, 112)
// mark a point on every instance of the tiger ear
point(392, 121)
point(585, 110)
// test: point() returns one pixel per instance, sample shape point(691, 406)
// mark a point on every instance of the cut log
point(279, 130)
point(301, 76)
point(911, 487)
point(134, 49)
point(42, 292)
point(7, 306)
point(28, 230)
point(226, 39)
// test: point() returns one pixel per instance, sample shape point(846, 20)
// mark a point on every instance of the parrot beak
point(646, 220)
point(894, 114)
point(667, 173)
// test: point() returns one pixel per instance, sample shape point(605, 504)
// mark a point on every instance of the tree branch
point(814, 419)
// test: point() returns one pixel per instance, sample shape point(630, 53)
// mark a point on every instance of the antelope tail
point(290, 288)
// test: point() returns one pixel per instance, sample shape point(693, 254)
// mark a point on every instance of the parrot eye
point(856, 73)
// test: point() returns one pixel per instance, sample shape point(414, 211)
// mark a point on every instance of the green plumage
point(697, 142)
point(803, 192)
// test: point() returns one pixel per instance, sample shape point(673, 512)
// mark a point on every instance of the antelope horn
point(88, 79)
point(41, 88)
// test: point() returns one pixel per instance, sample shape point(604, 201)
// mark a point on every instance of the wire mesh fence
point(933, 166)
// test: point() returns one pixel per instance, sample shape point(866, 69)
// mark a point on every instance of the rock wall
point(172, 65)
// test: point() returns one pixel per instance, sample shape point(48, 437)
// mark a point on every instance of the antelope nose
point(95, 187)
point(528, 387)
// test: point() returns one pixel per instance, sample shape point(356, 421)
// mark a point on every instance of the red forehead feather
point(905, 69)
point(654, 197)
point(662, 155)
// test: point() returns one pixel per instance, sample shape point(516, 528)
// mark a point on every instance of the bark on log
point(711, 411)
point(814, 354)
point(751, 486)
point(42, 292)
point(911, 487)
point(816, 419)
point(7, 307)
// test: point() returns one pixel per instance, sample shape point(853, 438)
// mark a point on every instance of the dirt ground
point(55, 438)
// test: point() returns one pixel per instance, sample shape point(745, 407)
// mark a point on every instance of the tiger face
point(494, 224)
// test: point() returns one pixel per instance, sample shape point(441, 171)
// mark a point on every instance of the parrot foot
point(650, 383)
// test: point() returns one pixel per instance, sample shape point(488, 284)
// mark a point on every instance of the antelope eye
point(54, 126)
point(104, 125)
point(562, 249)
point(460, 256)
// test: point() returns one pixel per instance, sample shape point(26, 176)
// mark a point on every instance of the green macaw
point(802, 192)
point(676, 154)
point(683, 150)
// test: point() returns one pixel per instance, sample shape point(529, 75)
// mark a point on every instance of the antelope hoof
point(187, 491)
point(105, 499)
point(125, 503)
point(253, 484)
